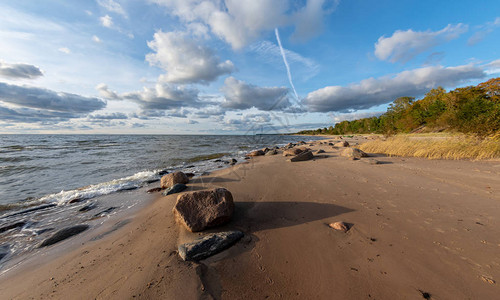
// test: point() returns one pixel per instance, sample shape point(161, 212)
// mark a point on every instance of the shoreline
point(414, 230)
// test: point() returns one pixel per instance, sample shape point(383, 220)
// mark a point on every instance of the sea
point(50, 182)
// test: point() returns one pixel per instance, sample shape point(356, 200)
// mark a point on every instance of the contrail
point(286, 63)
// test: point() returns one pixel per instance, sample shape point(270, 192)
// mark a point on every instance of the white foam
point(101, 189)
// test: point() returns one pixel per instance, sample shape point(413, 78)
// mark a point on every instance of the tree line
point(472, 109)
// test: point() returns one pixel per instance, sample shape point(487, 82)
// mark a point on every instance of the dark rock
point(320, 151)
point(31, 210)
point(209, 245)
point(189, 175)
point(233, 161)
point(172, 179)
point(105, 212)
point(163, 172)
point(330, 144)
point(177, 188)
point(190, 166)
point(302, 156)
point(152, 181)
point(217, 160)
point(154, 190)
point(88, 207)
point(131, 188)
point(64, 234)
point(76, 200)
point(12, 226)
point(202, 209)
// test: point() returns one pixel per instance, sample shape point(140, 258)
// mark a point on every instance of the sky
point(231, 66)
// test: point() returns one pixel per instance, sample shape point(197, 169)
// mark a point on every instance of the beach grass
point(437, 146)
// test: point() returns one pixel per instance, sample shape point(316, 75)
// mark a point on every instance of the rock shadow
point(256, 216)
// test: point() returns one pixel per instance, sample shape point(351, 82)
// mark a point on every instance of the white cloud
point(242, 22)
point(162, 97)
point(402, 46)
point(96, 39)
point(371, 92)
point(106, 21)
point(112, 6)
point(184, 60)
point(240, 95)
point(40, 98)
point(64, 50)
point(17, 71)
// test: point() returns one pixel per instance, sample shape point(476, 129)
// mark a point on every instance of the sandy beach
point(419, 229)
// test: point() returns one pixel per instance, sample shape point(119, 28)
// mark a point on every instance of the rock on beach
point(208, 245)
point(64, 234)
point(171, 179)
point(307, 155)
point(176, 188)
point(353, 153)
point(203, 209)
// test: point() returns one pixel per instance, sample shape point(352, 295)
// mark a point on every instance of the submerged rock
point(173, 178)
point(105, 212)
point(353, 153)
point(88, 207)
point(202, 209)
point(307, 155)
point(31, 210)
point(209, 245)
point(64, 234)
point(177, 188)
point(12, 226)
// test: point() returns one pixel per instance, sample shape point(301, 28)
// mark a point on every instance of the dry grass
point(436, 147)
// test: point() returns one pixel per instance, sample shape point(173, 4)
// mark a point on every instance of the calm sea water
point(47, 181)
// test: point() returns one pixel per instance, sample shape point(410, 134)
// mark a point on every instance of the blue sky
point(216, 67)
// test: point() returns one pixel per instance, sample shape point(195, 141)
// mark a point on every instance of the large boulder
point(353, 153)
point(172, 179)
point(307, 155)
point(208, 245)
point(202, 209)
point(341, 144)
point(295, 151)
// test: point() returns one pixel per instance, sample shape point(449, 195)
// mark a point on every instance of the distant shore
point(418, 229)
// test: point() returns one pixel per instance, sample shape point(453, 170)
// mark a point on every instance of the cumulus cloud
point(241, 95)
point(162, 97)
point(112, 6)
point(184, 60)
point(106, 21)
point(242, 22)
point(19, 71)
point(96, 39)
point(375, 91)
point(248, 122)
point(39, 98)
point(402, 46)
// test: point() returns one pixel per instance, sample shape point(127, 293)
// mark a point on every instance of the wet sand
point(419, 229)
